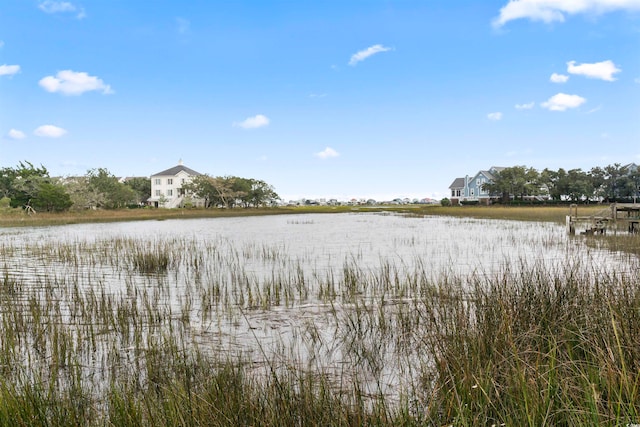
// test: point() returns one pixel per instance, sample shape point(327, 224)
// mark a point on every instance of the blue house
point(469, 188)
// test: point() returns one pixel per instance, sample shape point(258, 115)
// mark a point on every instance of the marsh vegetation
point(350, 319)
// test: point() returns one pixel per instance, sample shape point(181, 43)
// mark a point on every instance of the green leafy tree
point(51, 198)
point(261, 193)
point(32, 188)
point(579, 185)
point(516, 181)
point(230, 191)
point(114, 194)
point(141, 187)
point(612, 181)
point(203, 186)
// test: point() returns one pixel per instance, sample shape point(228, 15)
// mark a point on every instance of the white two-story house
point(166, 187)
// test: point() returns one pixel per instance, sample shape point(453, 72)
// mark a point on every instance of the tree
point(261, 193)
point(113, 194)
point(516, 181)
point(611, 186)
point(555, 182)
point(141, 187)
point(32, 188)
point(51, 198)
point(203, 186)
point(229, 191)
point(579, 185)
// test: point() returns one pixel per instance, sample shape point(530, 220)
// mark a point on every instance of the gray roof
point(177, 169)
point(457, 183)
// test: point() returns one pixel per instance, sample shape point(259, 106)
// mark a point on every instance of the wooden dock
point(616, 218)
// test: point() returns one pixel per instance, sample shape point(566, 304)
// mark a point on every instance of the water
point(271, 288)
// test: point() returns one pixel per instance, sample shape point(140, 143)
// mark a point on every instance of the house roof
point(177, 169)
point(457, 183)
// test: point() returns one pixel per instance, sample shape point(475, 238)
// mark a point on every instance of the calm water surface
point(226, 273)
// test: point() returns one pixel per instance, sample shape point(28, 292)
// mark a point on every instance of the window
point(473, 192)
point(458, 193)
point(170, 181)
point(158, 193)
point(169, 192)
point(157, 181)
point(182, 181)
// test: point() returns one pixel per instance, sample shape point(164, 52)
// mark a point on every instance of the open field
point(17, 218)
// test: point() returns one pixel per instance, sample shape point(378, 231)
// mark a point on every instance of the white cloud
point(51, 6)
point(49, 131)
point(562, 102)
point(256, 121)
point(555, 10)
point(70, 82)
point(637, 80)
point(364, 54)
point(558, 78)
point(527, 106)
point(9, 70)
point(599, 70)
point(327, 153)
point(16, 134)
point(495, 116)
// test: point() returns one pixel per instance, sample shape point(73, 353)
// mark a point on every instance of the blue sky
point(339, 99)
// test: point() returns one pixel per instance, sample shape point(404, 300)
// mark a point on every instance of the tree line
point(608, 184)
point(230, 191)
point(32, 188)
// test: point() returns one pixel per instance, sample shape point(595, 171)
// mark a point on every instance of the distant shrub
point(445, 202)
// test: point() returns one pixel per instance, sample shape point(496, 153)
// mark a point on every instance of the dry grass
point(16, 218)
point(555, 214)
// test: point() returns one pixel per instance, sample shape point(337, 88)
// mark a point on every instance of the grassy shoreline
point(531, 345)
point(18, 218)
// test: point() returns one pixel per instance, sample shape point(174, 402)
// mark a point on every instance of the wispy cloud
point(9, 70)
point(599, 70)
point(495, 116)
point(555, 10)
point(327, 153)
point(527, 106)
point(70, 82)
point(16, 134)
point(1, 44)
point(562, 102)
point(364, 54)
point(184, 25)
point(51, 6)
point(256, 121)
point(49, 131)
point(558, 78)
point(317, 95)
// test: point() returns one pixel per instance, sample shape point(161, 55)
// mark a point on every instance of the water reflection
point(289, 288)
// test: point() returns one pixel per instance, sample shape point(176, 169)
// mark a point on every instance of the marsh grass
point(17, 217)
point(193, 335)
point(620, 242)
